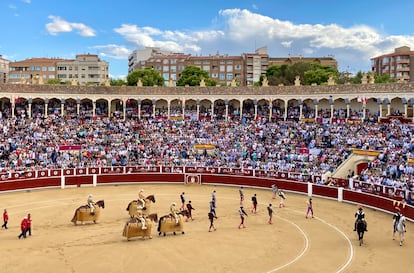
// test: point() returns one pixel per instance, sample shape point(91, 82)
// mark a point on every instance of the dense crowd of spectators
point(310, 148)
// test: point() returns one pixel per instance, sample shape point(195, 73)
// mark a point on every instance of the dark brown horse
point(150, 198)
point(153, 217)
point(83, 213)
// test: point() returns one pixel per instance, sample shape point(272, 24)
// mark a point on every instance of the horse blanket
point(168, 224)
point(133, 228)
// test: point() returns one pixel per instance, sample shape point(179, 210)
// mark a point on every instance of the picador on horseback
point(141, 198)
point(396, 218)
point(90, 204)
point(360, 216)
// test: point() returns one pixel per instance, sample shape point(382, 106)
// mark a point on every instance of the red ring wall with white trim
point(100, 176)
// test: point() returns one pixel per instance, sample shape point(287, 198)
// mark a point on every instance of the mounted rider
point(360, 215)
point(174, 212)
point(396, 218)
point(141, 199)
point(141, 218)
point(91, 204)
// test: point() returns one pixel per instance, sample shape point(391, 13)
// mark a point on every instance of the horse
point(185, 213)
point(132, 207)
point(153, 217)
point(360, 228)
point(400, 228)
point(83, 213)
point(133, 228)
point(167, 223)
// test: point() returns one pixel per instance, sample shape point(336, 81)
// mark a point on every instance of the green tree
point(384, 78)
point(118, 82)
point(53, 81)
point(149, 77)
point(192, 76)
point(319, 76)
point(308, 73)
point(276, 75)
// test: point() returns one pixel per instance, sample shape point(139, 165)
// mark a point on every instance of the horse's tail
point(127, 208)
point(159, 223)
point(74, 216)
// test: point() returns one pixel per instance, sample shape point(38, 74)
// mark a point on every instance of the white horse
point(400, 228)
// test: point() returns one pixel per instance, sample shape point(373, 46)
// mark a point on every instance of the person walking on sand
point(29, 224)
point(211, 218)
point(282, 199)
point(270, 212)
point(241, 193)
point(274, 191)
point(213, 209)
point(310, 208)
point(189, 209)
point(213, 198)
point(182, 198)
point(5, 219)
point(242, 214)
point(254, 202)
point(23, 227)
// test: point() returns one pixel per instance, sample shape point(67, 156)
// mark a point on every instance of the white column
point(340, 194)
point(310, 189)
point(62, 181)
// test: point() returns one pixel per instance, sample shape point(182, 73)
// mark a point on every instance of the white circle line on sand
point(304, 250)
point(351, 248)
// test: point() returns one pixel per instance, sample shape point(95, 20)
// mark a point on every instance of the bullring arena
point(291, 244)
point(62, 126)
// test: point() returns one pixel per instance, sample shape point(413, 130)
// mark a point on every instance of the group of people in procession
point(175, 212)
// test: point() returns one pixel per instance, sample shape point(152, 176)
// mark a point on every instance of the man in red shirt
point(29, 224)
point(23, 227)
point(5, 219)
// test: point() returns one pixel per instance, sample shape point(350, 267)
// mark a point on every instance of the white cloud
point(114, 51)
point(59, 25)
point(171, 40)
point(27, 1)
point(243, 31)
point(286, 43)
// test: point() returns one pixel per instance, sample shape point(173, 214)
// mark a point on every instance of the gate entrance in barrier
point(192, 179)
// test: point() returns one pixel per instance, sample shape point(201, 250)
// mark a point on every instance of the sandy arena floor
point(292, 244)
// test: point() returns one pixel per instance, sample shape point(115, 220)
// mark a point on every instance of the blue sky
point(352, 31)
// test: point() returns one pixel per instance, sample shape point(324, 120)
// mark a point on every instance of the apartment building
point(256, 65)
point(32, 70)
point(139, 55)
point(4, 69)
point(221, 68)
point(399, 64)
point(87, 69)
point(245, 69)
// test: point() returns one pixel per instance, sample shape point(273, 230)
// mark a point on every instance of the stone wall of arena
point(389, 90)
point(375, 196)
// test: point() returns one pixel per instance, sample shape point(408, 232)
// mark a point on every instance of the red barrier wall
point(78, 180)
point(140, 178)
point(29, 183)
point(363, 198)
